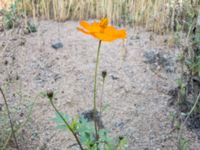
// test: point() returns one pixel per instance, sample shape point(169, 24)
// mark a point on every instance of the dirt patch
point(159, 60)
point(136, 96)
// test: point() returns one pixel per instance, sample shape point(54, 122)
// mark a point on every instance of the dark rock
point(56, 77)
point(119, 125)
point(31, 27)
point(196, 80)
point(57, 45)
point(21, 114)
point(160, 60)
point(5, 62)
point(137, 37)
point(174, 95)
point(114, 78)
point(150, 57)
point(193, 123)
point(89, 115)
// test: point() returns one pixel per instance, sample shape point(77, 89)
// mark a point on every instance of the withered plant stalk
point(10, 119)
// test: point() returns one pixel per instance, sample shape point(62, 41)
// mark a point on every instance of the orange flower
point(101, 30)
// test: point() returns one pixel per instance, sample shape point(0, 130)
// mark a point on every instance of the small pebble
point(57, 45)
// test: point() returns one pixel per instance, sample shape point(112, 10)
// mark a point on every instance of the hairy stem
point(10, 119)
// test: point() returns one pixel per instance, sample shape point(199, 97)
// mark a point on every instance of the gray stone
point(57, 45)
point(160, 60)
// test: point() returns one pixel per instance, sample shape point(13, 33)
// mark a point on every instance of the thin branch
point(10, 119)
point(191, 111)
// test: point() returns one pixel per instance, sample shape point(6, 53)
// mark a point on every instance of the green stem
point(10, 119)
point(102, 93)
point(95, 90)
point(67, 124)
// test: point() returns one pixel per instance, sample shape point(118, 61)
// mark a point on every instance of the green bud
point(104, 74)
point(50, 94)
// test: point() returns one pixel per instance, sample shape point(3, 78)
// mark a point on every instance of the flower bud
point(104, 74)
point(91, 145)
point(121, 138)
point(50, 94)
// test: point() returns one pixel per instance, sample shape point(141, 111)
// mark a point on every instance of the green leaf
point(62, 127)
point(74, 123)
point(109, 147)
point(59, 120)
point(122, 143)
point(183, 144)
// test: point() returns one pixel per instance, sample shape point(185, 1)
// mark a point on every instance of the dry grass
point(157, 15)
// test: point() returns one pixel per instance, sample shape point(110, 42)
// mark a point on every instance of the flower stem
point(102, 93)
point(67, 124)
point(95, 90)
point(10, 119)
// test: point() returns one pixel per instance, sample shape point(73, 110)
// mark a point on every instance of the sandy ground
point(136, 96)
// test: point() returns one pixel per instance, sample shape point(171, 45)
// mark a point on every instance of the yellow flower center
point(103, 24)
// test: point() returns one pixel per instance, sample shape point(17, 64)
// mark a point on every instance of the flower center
point(103, 24)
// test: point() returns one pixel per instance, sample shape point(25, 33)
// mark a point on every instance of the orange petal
point(120, 33)
point(85, 25)
point(104, 37)
point(79, 29)
point(95, 27)
point(101, 30)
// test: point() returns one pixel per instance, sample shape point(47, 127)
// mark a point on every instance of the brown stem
point(10, 119)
